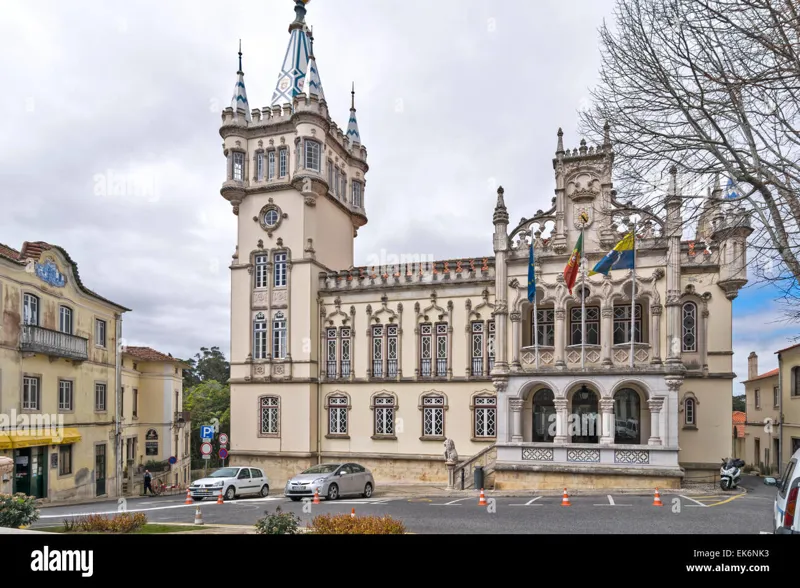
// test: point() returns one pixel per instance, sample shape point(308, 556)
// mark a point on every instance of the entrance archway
point(544, 415)
point(584, 421)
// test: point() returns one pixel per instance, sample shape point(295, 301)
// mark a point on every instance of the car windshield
point(225, 473)
point(325, 468)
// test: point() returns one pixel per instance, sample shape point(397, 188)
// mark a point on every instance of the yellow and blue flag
point(531, 276)
point(621, 257)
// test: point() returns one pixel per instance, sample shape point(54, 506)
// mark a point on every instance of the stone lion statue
point(450, 454)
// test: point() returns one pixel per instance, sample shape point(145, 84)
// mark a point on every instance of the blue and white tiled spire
point(239, 100)
point(291, 78)
point(352, 125)
point(313, 84)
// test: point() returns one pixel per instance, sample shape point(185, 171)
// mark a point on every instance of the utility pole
point(118, 408)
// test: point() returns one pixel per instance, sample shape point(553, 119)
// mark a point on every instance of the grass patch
point(148, 529)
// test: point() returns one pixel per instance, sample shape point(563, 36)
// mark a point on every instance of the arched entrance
point(627, 417)
point(544, 416)
point(584, 422)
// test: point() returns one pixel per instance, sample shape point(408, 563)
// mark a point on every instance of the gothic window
point(433, 415)
point(477, 348)
point(384, 407)
point(490, 343)
point(627, 417)
point(544, 416)
point(312, 150)
point(337, 414)
point(689, 337)
point(425, 349)
point(592, 325)
point(261, 271)
point(260, 166)
point(331, 186)
point(795, 383)
point(280, 269)
point(271, 166)
point(260, 340)
point(546, 326)
point(269, 415)
point(330, 352)
point(337, 184)
point(346, 345)
point(344, 187)
point(776, 397)
point(279, 336)
point(377, 351)
point(689, 416)
point(357, 201)
point(758, 399)
point(622, 324)
point(30, 309)
point(391, 351)
point(441, 350)
point(238, 166)
point(485, 411)
point(65, 320)
point(283, 162)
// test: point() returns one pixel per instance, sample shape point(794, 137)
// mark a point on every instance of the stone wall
point(527, 480)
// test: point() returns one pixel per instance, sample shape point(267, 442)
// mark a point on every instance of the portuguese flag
point(574, 264)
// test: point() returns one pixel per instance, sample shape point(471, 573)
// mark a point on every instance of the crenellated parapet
point(460, 271)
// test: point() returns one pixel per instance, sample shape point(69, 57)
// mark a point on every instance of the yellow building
point(58, 353)
point(772, 432)
point(154, 427)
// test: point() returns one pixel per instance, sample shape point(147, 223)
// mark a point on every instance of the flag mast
point(633, 295)
point(535, 321)
point(583, 295)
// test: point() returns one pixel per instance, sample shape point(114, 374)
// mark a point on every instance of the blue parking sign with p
point(207, 432)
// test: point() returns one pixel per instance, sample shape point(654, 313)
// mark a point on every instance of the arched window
point(690, 412)
point(689, 336)
point(584, 426)
point(544, 414)
point(433, 406)
point(627, 417)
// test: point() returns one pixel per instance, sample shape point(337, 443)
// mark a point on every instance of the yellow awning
point(5, 442)
point(60, 437)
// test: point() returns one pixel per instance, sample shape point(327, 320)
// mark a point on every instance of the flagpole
point(535, 324)
point(583, 299)
point(633, 297)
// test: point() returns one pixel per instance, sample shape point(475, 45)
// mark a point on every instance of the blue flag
point(531, 277)
point(621, 257)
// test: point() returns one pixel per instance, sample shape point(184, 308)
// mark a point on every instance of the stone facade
point(382, 363)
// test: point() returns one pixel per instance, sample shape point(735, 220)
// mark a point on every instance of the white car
point(232, 482)
point(785, 517)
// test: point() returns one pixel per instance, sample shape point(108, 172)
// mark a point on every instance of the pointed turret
point(313, 83)
point(291, 78)
point(352, 125)
point(239, 102)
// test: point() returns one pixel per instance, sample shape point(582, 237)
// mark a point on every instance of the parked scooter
point(730, 473)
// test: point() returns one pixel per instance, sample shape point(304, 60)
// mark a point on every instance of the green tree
point(209, 402)
point(209, 364)
point(739, 403)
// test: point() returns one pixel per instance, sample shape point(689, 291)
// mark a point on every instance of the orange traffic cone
point(316, 496)
point(189, 497)
point(565, 499)
point(482, 501)
point(353, 514)
point(657, 499)
point(219, 498)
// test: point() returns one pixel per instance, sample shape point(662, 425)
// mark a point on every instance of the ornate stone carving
point(310, 200)
point(259, 370)
point(537, 454)
point(583, 455)
point(278, 369)
point(516, 404)
point(674, 383)
point(634, 456)
point(450, 454)
point(655, 404)
point(500, 385)
point(279, 296)
point(270, 217)
point(516, 317)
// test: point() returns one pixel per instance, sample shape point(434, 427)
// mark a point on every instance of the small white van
point(785, 517)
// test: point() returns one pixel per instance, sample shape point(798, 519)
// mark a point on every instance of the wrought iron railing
point(53, 343)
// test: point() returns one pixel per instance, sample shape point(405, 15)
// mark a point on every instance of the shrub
point(345, 524)
point(17, 510)
point(280, 523)
point(125, 522)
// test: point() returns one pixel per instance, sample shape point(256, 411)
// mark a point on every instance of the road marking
point(765, 533)
point(696, 502)
point(727, 500)
point(610, 500)
point(195, 505)
point(420, 500)
point(529, 503)
point(453, 503)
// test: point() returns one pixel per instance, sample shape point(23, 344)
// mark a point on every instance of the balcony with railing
point(34, 339)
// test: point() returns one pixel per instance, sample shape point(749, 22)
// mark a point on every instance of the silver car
point(331, 480)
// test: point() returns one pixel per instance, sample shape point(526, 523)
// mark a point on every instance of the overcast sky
point(454, 98)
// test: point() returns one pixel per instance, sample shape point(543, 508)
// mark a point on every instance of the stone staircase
point(462, 475)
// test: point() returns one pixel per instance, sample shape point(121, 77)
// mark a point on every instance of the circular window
point(271, 218)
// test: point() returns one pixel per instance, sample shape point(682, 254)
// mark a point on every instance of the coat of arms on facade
point(583, 216)
point(48, 272)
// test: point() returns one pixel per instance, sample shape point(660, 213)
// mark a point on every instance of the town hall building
point(388, 366)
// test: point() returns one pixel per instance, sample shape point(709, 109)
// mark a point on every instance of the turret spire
point(313, 84)
point(292, 76)
point(239, 101)
point(352, 125)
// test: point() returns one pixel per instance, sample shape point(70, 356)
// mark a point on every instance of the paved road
point(620, 514)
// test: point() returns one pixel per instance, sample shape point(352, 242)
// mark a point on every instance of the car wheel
point(264, 491)
point(367, 490)
point(333, 492)
point(230, 493)
point(295, 498)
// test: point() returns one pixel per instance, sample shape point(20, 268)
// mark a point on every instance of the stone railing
point(619, 357)
point(589, 455)
point(53, 343)
point(462, 475)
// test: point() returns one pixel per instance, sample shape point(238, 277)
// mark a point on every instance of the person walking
point(148, 479)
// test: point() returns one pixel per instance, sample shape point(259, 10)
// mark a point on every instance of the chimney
point(752, 365)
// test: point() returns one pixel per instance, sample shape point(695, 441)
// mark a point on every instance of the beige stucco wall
point(758, 419)
point(790, 359)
